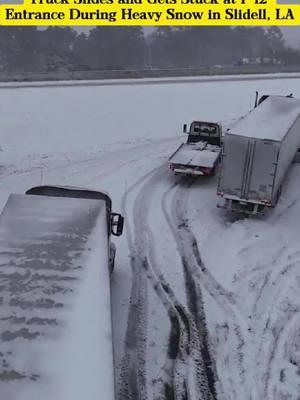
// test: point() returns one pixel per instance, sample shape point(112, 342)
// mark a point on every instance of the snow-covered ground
point(187, 278)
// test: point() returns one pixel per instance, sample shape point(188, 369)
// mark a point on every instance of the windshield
point(204, 129)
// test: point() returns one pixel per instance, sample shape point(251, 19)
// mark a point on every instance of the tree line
point(63, 48)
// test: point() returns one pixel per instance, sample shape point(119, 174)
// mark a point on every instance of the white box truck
point(55, 322)
point(257, 152)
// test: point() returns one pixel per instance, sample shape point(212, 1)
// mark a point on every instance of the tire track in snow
point(226, 300)
point(270, 282)
point(276, 343)
point(182, 326)
point(249, 272)
point(94, 162)
point(205, 374)
point(292, 325)
point(175, 380)
point(192, 359)
point(135, 158)
point(133, 365)
point(267, 349)
point(271, 329)
point(133, 374)
point(143, 243)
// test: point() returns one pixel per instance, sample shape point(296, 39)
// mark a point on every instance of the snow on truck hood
point(55, 322)
point(271, 120)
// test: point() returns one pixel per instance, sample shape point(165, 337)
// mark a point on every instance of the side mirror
point(185, 128)
point(256, 99)
point(117, 224)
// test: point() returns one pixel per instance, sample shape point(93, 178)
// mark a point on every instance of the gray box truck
point(55, 325)
point(257, 152)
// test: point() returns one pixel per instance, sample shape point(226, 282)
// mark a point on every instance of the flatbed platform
point(194, 154)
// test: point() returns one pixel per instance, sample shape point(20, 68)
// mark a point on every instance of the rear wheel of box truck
point(279, 191)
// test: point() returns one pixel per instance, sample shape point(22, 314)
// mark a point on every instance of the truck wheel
point(111, 266)
point(278, 193)
point(112, 257)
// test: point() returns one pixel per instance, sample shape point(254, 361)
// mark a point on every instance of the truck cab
point(200, 155)
point(200, 131)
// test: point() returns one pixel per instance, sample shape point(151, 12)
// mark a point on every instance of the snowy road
point(203, 307)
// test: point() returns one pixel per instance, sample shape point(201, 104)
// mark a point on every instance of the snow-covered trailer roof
point(55, 321)
point(270, 120)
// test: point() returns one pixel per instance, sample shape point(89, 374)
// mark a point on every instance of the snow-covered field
point(203, 307)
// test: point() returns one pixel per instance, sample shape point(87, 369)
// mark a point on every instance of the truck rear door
point(248, 168)
point(234, 158)
point(262, 168)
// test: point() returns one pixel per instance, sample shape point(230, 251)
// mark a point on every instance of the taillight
point(267, 202)
point(171, 167)
point(220, 194)
point(206, 171)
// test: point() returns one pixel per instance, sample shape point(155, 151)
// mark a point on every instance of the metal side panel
point(262, 169)
point(288, 149)
point(55, 322)
point(234, 158)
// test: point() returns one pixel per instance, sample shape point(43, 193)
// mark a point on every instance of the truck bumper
point(187, 171)
point(244, 207)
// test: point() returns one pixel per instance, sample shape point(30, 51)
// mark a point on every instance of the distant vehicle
point(257, 152)
point(201, 153)
point(55, 326)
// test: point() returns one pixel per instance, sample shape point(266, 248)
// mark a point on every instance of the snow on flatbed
point(55, 323)
point(179, 252)
point(196, 155)
point(271, 120)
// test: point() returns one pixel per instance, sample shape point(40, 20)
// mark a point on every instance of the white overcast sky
point(292, 33)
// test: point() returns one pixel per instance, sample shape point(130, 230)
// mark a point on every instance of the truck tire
point(112, 257)
point(111, 266)
point(278, 193)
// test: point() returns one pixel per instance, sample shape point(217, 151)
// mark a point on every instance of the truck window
point(204, 131)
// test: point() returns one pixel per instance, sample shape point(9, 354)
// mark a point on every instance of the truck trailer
point(201, 153)
point(257, 152)
point(55, 324)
